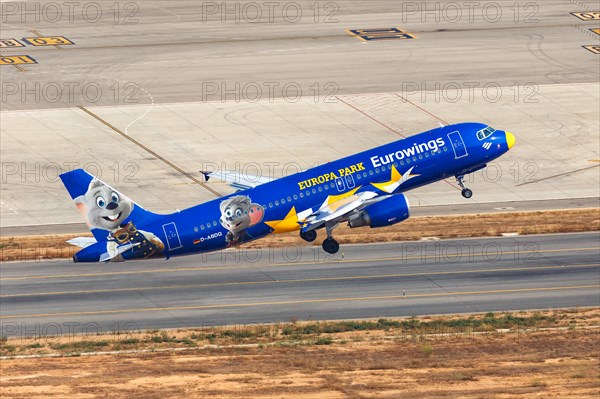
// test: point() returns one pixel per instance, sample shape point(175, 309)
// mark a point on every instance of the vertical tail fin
point(103, 208)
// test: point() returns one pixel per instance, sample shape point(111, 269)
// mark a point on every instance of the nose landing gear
point(467, 193)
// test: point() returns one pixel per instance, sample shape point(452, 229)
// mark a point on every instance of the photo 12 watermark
point(70, 12)
point(91, 92)
point(270, 91)
point(454, 12)
point(15, 172)
point(287, 12)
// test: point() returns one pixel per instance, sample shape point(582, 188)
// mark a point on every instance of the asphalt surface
point(180, 51)
point(440, 210)
point(252, 286)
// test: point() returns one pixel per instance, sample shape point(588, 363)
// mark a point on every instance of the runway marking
point(370, 117)
point(10, 43)
point(300, 301)
point(594, 48)
point(228, 267)
point(294, 281)
point(55, 41)
point(39, 35)
point(367, 35)
point(587, 16)
point(17, 59)
point(151, 152)
point(421, 108)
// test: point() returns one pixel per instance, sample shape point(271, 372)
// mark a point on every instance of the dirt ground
point(535, 355)
point(456, 226)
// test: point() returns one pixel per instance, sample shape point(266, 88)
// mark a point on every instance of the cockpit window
point(485, 133)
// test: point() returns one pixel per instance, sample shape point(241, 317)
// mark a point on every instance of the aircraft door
point(458, 145)
point(340, 184)
point(172, 236)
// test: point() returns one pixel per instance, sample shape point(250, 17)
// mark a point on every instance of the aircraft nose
point(510, 139)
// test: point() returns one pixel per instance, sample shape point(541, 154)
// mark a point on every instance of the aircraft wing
point(237, 180)
point(336, 210)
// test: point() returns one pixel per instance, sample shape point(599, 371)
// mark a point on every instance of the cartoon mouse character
point(103, 208)
point(238, 213)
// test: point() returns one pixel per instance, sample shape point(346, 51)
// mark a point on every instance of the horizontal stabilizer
point(82, 242)
point(237, 180)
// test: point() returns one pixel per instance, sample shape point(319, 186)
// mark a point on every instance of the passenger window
point(270, 205)
point(276, 203)
point(289, 199)
point(314, 191)
point(215, 223)
point(295, 197)
point(282, 201)
point(201, 227)
point(301, 195)
point(320, 189)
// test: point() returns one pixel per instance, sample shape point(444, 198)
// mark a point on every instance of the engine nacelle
point(383, 213)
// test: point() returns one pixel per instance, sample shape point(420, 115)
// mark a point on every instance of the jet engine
point(383, 213)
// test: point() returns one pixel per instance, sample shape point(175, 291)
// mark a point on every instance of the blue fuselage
point(428, 157)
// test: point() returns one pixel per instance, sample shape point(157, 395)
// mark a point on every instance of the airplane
point(365, 189)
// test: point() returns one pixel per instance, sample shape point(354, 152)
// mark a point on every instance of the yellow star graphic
point(335, 198)
point(396, 178)
point(289, 223)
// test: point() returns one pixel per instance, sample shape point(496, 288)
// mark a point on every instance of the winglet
point(206, 175)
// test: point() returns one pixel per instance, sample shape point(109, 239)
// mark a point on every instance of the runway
point(282, 284)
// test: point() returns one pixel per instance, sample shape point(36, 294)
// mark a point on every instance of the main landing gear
point(467, 193)
point(309, 236)
point(330, 245)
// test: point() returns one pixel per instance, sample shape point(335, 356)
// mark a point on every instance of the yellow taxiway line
point(296, 302)
point(295, 281)
point(253, 265)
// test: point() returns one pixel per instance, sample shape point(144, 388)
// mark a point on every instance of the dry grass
point(457, 226)
point(527, 364)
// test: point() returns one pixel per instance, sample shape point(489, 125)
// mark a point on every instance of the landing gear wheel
point(309, 236)
point(465, 191)
point(331, 246)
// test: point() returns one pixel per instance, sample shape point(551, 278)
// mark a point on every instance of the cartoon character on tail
point(238, 213)
point(106, 209)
